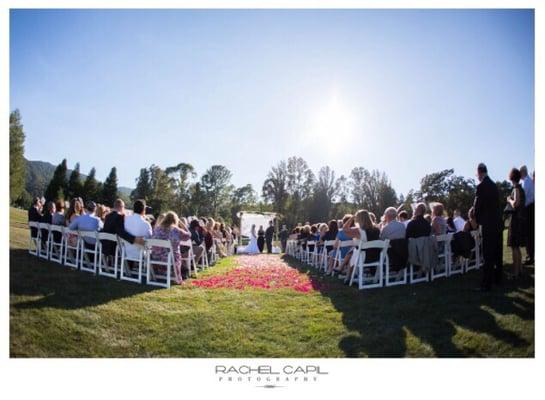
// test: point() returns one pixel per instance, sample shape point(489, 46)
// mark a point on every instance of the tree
point(435, 186)
point(162, 197)
point(57, 187)
point(16, 156)
point(143, 188)
point(181, 176)
point(91, 187)
point(372, 190)
point(454, 192)
point(242, 198)
point(109, 188)
point(300, 180)
point(75, 186)
point(275, 187)
point(216, 186)
point(325, 189)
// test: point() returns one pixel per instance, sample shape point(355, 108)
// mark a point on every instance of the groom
point(269, 237)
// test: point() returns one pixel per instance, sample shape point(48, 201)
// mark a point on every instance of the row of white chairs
point(83, 250)
point(383, 275)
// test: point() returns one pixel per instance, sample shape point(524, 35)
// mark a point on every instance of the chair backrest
point(348, 243)
point(107, 236)
point(373, 249)
point(329, 242)
point(56, 228)
point(165, 244)
point(88, 234)
point(43, 225)
point(33, 224)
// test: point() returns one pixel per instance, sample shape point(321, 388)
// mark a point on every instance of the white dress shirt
point(459, 223)
point(528, 186)
point(136, 225)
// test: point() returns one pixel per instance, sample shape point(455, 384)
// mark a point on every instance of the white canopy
point(247, 219)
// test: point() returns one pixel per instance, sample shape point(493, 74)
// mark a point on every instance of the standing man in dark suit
point(488, 215)
point(115, 224)
point(269, 233)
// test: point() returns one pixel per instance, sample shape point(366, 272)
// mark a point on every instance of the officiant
point(269, 233)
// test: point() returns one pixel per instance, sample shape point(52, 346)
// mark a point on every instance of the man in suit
point(269, 233)
point(488, 215)
point(115, 224)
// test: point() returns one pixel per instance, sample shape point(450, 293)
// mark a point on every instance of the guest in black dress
point(516, 237)
point(261, 238)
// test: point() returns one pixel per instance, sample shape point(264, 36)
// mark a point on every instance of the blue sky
point(408, 92)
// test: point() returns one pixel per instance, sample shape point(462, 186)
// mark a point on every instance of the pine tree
point(75, 186)
point(91, 187)
point(109, 189)
point(16, 156)
point(143, 188)
point(58, 185)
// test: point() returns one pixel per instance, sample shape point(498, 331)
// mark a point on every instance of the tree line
point(290, 188)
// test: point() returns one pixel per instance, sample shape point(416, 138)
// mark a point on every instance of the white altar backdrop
point(248, 219)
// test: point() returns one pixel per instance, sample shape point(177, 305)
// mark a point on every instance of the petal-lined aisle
point(261, 271)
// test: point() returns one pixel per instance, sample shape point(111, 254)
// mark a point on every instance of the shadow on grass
point(383, 318)
point(61, 287)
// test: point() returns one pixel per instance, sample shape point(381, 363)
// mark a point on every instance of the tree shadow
point(384, 320)
point(59, 286)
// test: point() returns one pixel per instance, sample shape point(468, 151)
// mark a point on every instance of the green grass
point(58, 312)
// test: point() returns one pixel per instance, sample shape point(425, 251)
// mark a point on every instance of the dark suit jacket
point(487, 205)
point(115, 224)
point(269, 233)
point(34, 216)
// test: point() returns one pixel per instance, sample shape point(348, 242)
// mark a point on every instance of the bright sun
point(334, 123)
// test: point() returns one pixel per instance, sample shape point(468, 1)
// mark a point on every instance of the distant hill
point(39, 173)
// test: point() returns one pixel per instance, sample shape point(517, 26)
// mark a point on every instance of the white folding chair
point(71, 248)
point(128, 272)
point(307, 252)
point(107, 264)
point(153, 277)
point(45, 237)
point(88, 251)
point(394, 278)
point(444, 258)
point(457, 264)
point(369, 281)
point(34, 240)
point(420, 275)
point(338, 259)
point(324, 259)
point(203, 262)
point(190, 258)
point(474, 260)
point(56, 247)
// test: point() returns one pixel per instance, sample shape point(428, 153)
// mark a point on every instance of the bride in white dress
point(252, 246)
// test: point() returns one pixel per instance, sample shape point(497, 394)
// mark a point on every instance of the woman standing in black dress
point(260, 238)
point(517, 226)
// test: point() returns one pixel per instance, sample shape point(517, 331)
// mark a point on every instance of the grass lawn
point(59, 312)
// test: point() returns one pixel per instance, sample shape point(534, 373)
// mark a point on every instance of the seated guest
point(114, 223)
point(471, 223)
point(74, 211)
point(47, 218)
point(167, 228)
point(459, 222)
point(137, 225)
point(418, 226)
point(392, 229)
point(58, 217)
point(35, 214)
point(340, 237)
point(304, 236)
point(451, 227)
point(364, 230)
point(438, 221)
point(87, 222)
point(330, 234)
point(428, 218)
point(403, 217)
point(101, 211)
point(197, 239)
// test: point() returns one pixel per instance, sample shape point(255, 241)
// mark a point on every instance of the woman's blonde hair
point(170, 218)
point(437, 210)
point(364, 220)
